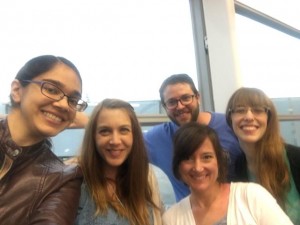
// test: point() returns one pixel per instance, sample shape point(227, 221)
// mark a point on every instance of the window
point(123, 49)
point(268, 57)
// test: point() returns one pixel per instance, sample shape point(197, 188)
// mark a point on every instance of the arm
point(266, 208)
point(156, 197)
point(71, 161)
point(59, 207)
point(80, 120)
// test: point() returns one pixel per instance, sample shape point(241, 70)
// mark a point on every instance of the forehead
point(64, 77)
point(177, 90)
point(249, 99)
point(113, 117)
point(205, 147)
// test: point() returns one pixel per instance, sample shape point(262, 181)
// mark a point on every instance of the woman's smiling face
point(249, 123)
point(200, 170)
point(45, 117)
point(114, 136)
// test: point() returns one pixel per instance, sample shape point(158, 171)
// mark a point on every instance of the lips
point(181, 112)
point(182, 116)
point(199, 178)
point(114, 153)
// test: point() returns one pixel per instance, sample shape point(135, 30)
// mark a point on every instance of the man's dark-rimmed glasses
point(184, 100)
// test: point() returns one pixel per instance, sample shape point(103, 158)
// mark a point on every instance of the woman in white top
point(200, 163)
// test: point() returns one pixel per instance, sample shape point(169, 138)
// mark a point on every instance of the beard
point(194, 116)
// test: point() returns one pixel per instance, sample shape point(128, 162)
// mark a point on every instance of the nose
point(62, 103)
point(249, 114)
point(115, 139)
point(179, 105)
point(198, 166)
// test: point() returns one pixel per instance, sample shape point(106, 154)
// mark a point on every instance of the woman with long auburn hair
point(119, 185)
point(267, 159)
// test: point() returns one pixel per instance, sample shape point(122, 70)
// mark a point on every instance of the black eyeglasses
point(53, 92)
point(184, 100)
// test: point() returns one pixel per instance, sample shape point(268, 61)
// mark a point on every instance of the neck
point(250, 153)
point(111, 173)
point(19, 130)
point(110, 179)
point(206, 199)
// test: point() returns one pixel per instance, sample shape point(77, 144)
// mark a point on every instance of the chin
point(51, 132)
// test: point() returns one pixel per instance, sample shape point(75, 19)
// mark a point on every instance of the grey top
point(223, 221)
point(87, 209)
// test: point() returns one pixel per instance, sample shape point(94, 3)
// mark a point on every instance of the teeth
point(202, 177)
point(53, 117)
point(250, 128)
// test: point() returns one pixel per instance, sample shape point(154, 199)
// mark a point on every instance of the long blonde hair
point(132, 185)
point(271, 168)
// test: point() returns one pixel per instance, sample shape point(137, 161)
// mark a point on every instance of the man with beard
point(181, 100)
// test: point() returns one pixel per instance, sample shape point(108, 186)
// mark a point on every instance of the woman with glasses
point(35, 186)
point(119, 185)
point(267, 160)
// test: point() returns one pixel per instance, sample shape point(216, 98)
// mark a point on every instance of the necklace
point(111, 185)
point(119, 201)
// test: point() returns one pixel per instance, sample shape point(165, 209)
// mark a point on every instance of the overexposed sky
point(269, 59)
point(286, 11)
point(125, 48)
point(122, 48)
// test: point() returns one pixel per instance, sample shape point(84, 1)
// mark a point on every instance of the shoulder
point(250, 202)
point(217, 118)
point(54, 166)
point(214, 120)
point(179, 214)
point(86, 208)
point(293, 152)
point(204, 118)
point(178, 208)
point(84, 196)
point(249, 190)
point(245, 186)
point(152, 178)
point(164, 127)
point(251, 195)
point(167, 128)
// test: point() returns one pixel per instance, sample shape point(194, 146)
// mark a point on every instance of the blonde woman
point(119, 185)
